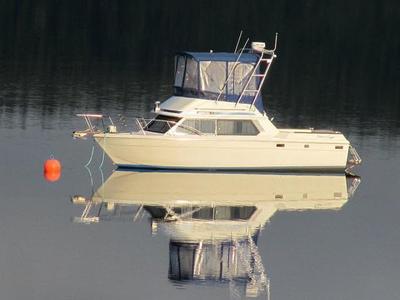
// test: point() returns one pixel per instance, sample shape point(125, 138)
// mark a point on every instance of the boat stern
point(353, 159)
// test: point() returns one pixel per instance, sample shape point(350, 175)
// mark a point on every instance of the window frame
point(177, 64)
point(181, 127)
point(164, 118)
point(251, 122)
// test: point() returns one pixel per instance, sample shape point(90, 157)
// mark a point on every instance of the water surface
point(337, 68)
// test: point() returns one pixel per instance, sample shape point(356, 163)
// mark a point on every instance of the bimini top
point(222, 56)
point(217, 75)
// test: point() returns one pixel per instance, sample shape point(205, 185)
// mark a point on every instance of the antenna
point(238, 41)
point(276, 41)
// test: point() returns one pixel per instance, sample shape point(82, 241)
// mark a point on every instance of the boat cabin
point(215, 94)
point(204, 126)
point(190, 116)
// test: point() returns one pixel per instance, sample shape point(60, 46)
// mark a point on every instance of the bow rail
point(138, 126)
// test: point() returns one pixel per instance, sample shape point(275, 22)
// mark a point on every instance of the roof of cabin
point(222, 56)
point(177, 104)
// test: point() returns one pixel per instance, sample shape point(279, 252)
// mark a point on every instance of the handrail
point(169, 123)
point(140, 123)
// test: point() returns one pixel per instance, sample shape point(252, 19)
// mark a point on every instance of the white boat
point(216, 121)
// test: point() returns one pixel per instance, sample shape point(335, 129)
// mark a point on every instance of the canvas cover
point(203, 75)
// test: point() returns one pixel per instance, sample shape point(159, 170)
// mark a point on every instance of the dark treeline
point(336, 57)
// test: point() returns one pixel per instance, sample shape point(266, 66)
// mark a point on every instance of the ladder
point(260, 76)
point(353, 160)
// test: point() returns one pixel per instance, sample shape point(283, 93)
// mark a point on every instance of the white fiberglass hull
point(225, 153)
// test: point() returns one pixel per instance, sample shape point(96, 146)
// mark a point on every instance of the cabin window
point(218, 212)
point(206, 213)
point(240, 74)
point(224, 127)
point(197, 126)
point(179, 71)
point(191, 75)
point(233, 213)
point(213, 76)
point(161, 124)
point(236, 127)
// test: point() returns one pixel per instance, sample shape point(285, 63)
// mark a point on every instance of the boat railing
point(142, 126)
point(92, 128)
point(354, 158)
point(138, 125)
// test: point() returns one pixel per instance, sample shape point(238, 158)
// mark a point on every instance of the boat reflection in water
point(214, 220)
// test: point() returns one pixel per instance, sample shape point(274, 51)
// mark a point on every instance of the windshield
point(161, 124)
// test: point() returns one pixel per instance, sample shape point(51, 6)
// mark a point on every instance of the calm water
point(338, 67)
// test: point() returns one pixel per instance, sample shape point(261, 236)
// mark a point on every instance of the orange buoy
point(52, 169)
point(52, 176)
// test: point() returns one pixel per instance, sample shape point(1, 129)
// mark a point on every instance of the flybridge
point(221, 76)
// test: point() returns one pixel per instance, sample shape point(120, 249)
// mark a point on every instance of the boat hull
point(225, 154)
